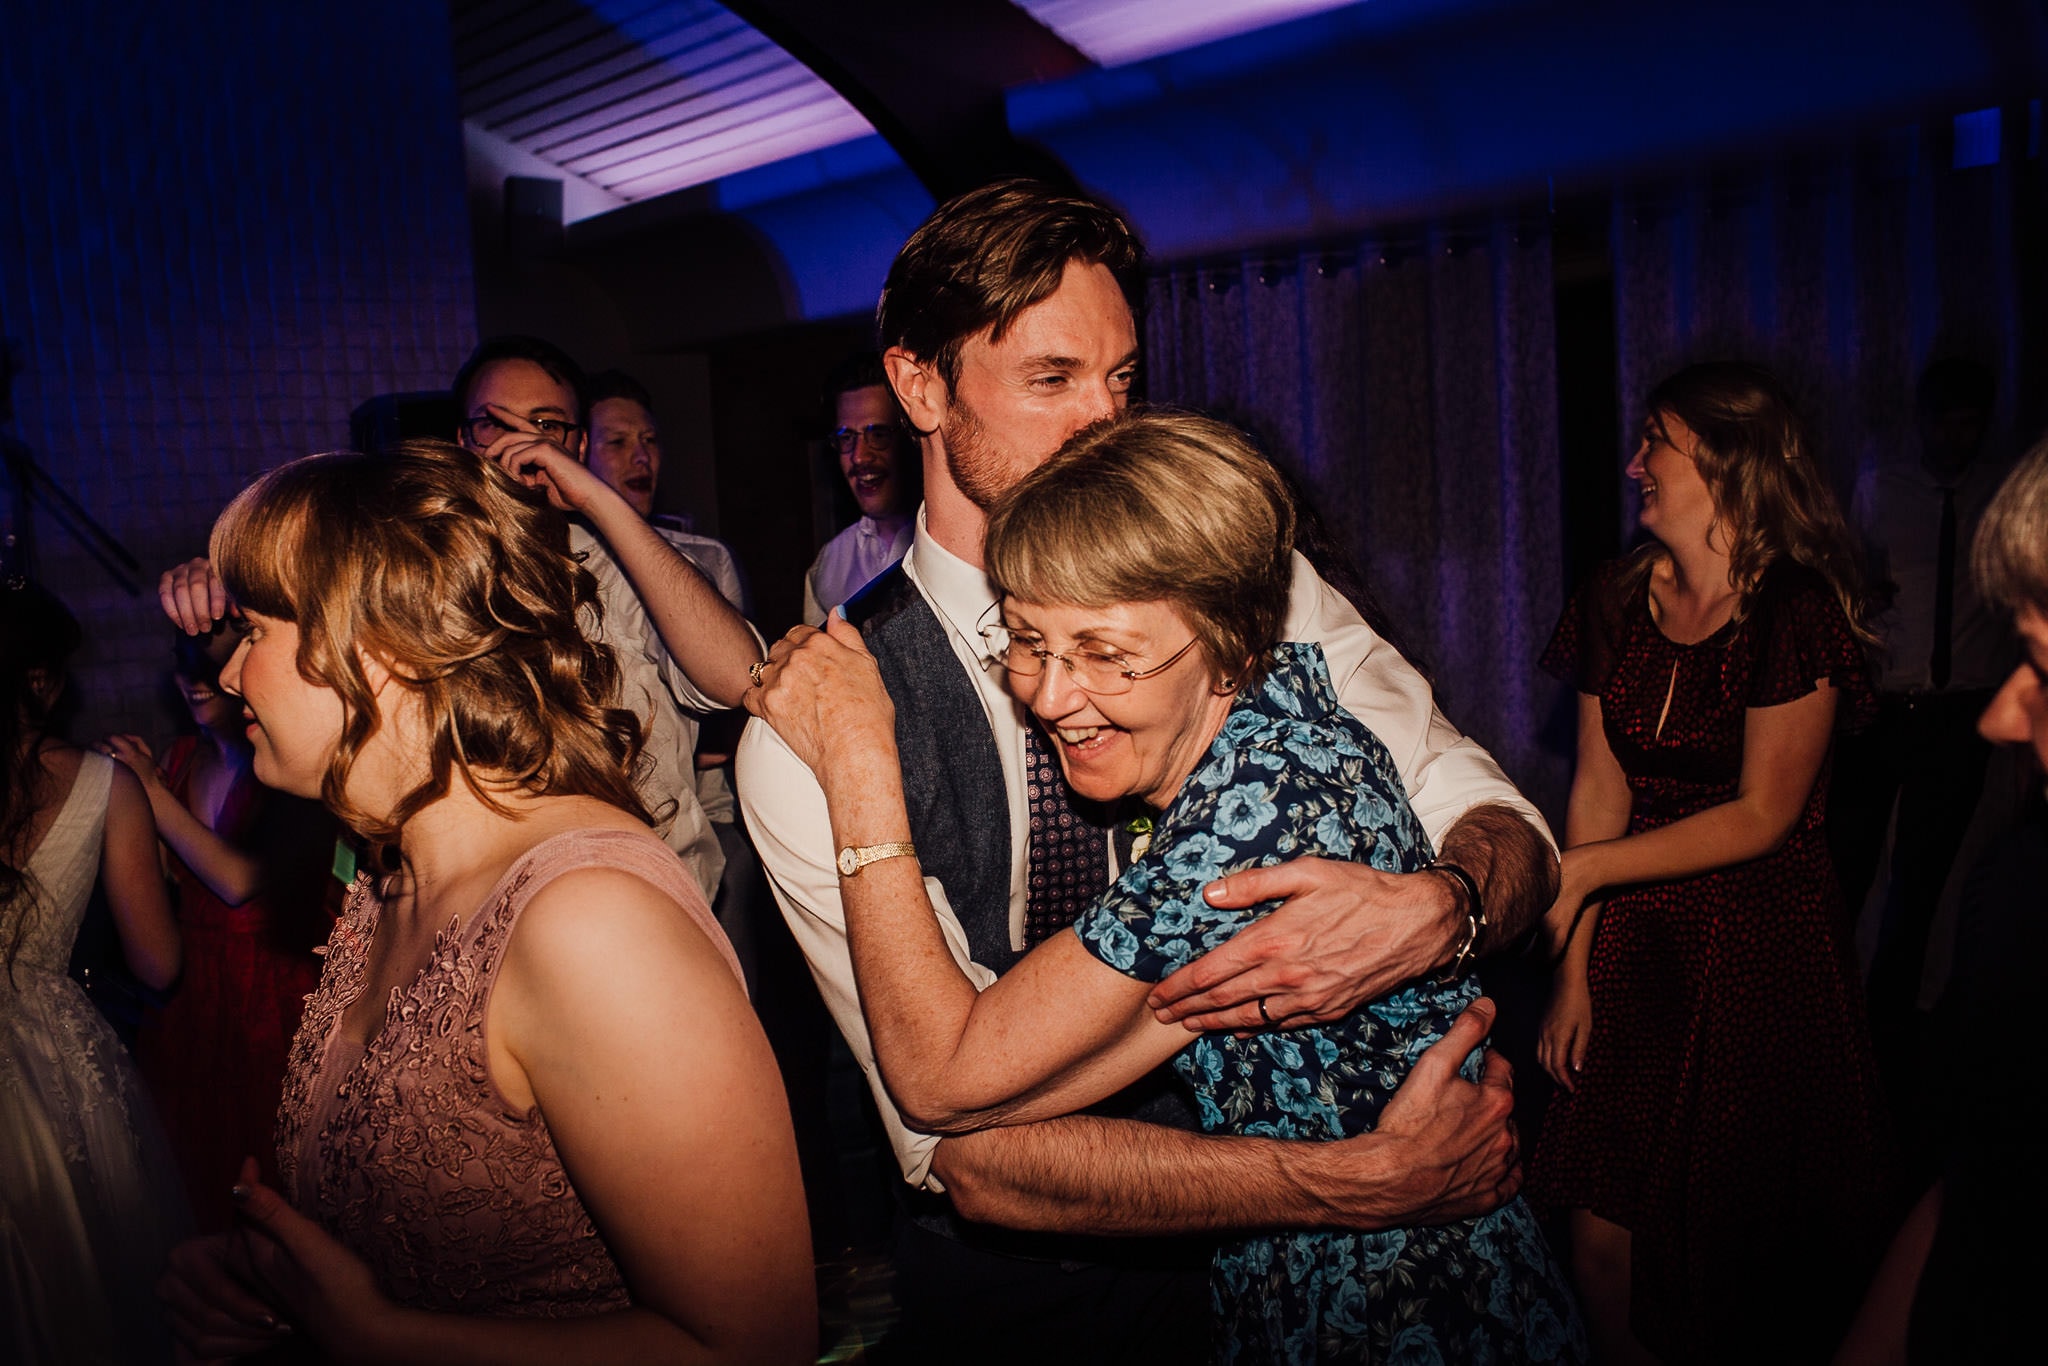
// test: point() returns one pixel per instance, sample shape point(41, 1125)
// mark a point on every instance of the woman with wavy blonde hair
point(495, 1141)
point(1718, 1142)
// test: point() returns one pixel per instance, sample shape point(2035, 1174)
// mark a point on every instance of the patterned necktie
point(1068, 858)
point(1944, 590)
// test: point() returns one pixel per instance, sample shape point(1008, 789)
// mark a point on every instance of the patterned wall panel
point(225, 224)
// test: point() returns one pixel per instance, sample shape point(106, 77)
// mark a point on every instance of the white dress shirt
point(1445, 773)
point(850, 561)
point(654, 687)
point(720, 566)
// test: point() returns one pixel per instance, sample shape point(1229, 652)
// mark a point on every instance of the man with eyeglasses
point(682, 649)
point(877, 462)
point(1008, 328)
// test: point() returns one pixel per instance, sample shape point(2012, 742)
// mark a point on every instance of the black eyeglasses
point(482, 431)
point(881, 437)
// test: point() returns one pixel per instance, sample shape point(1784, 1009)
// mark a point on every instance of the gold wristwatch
point(852, 859)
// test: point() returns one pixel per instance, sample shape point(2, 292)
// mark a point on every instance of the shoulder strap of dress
point(628, 851)
point(90, 790)
point(85, 807)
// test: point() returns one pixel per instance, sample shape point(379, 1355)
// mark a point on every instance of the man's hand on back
point(1453, 1151)
point(1348, 933)
point(1444, 1149)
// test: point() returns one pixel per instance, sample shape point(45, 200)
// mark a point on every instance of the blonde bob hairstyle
point(2010, 555)
point(1156, 505)
point(459, 581)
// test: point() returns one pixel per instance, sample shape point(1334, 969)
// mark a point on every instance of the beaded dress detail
point(406, 1150)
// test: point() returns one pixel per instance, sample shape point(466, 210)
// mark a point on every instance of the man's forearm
point(707, 638)
point(1123, 1178)
point(1513, 865)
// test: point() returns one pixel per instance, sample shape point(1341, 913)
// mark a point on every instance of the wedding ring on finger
point(1263, 1014)
point(754, 670)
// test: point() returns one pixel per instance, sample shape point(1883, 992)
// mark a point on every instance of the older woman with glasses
point(1144, 573)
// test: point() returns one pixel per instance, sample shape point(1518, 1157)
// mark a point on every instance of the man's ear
point(581, 448)
point(920, 389)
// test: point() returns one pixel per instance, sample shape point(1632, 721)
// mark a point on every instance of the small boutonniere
point(1140, 830)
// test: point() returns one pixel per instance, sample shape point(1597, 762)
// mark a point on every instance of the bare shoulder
point(126, 786)
point(610, 925)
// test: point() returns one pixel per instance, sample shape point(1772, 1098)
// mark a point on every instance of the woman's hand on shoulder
point(628, 1029)
point(134, 751)
point(823, 693)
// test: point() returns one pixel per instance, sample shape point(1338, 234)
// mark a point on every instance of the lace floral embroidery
point(411, 1157)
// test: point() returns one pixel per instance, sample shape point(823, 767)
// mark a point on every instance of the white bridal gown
point(90, 1200)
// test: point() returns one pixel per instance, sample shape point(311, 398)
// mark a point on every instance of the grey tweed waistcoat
point(952, 775)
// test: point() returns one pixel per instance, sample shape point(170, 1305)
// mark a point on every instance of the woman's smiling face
point(1677, 505)
point(1143, 742)
point(211, 709)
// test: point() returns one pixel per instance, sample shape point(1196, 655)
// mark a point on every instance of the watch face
point(848, 864)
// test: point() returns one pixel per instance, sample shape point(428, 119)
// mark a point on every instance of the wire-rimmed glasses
point(1103, 673)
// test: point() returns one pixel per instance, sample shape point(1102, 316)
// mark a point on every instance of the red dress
point(214, 1056)
point(1728, 1115)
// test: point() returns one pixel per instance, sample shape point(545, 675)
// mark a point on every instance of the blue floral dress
point(1291, 774)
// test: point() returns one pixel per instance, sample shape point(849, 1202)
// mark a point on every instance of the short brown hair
point(1156, 505)
point(2010, 555)
point(442, 566)
point(985, 256)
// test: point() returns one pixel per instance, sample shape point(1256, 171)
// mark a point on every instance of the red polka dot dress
point(1728, 1115)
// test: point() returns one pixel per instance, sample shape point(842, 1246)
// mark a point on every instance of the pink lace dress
point(407, 1151)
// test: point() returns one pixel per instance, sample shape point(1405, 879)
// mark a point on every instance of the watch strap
point(853, 858)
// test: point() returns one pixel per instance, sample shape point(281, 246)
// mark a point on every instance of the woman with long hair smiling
point(1718, 1137)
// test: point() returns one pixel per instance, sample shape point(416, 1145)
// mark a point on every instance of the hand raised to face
point(540, 454)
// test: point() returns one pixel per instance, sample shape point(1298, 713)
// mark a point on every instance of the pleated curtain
point(1409, 387)
point(1847, 275)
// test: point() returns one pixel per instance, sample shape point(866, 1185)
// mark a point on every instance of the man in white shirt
point(681, 647)
point(1008, 328)
point(878, 462)
point(625, 451)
